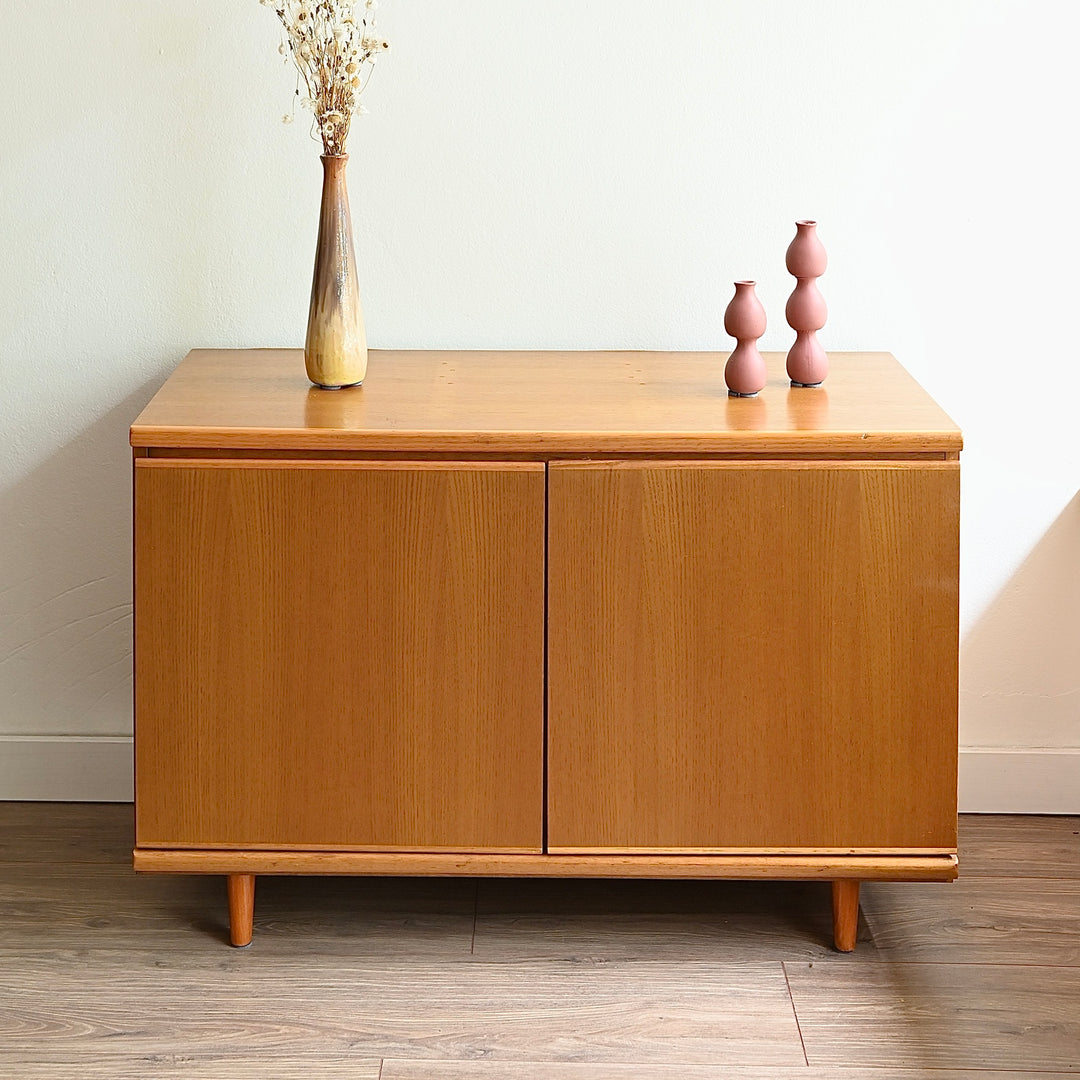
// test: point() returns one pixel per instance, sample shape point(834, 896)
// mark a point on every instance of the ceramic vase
point(744, 320)
point(335, 350)
point(807, 364)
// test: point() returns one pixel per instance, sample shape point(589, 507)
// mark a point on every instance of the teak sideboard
point(542, 613)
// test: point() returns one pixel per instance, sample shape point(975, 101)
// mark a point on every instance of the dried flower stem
point(333, 49)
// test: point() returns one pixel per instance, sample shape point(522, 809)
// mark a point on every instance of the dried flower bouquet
point(333, 44)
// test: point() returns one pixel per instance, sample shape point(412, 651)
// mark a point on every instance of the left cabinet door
point(339, 655)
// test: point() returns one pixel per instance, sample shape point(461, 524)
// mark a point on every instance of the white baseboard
point(57, 768)
point(1021, 781)
point(66, 768)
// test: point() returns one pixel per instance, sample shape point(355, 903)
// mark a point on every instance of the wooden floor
point(105, 974)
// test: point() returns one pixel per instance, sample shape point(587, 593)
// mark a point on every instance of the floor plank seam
point(795, 1013)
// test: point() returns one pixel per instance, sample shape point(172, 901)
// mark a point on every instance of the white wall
point(557, 174)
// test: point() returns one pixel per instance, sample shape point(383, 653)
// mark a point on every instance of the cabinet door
point(339, 655)
point(752, 655)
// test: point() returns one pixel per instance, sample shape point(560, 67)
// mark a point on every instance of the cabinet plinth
point(545, 613)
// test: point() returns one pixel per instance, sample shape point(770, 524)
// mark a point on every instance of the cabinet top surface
point(541, 403)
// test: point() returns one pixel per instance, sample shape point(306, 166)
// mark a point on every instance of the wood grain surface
point(991, 845)
point(565, 1070)
point(104, 973)
point(294, 1066)
point(752, 655)
point(845, 905)
point(1013, 920)
point(928, 1015)
point(703, 1013)
point(177, 1063)
point(110, 909)
point(541, 402)
point(241, 892)
point(789, 867)
point(267, 729)
point(345, 654)
point(47, 832)
point(1029, 846)
point(593, 921)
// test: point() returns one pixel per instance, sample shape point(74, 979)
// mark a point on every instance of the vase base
point(340, 386)
point(735, 393)
point(805, 385)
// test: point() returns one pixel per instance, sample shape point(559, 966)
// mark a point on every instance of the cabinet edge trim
point(935, 866)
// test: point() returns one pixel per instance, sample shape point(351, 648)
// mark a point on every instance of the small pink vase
point(807, 364)
point(744, 320)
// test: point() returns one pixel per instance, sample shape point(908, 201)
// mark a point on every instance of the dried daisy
point(333, 44)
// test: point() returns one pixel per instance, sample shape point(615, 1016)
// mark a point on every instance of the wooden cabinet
point(525, 614)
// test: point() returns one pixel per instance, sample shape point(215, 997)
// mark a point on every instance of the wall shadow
point(1020, 662)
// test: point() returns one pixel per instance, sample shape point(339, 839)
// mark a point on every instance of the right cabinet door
point(752, 655)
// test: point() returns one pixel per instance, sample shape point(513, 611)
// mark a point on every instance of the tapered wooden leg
point(241, 907)
point(845, 914)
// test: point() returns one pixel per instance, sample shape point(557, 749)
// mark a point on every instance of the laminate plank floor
point(104, 973)
point(989, 1016)
point(108, 906)
point(590, 920)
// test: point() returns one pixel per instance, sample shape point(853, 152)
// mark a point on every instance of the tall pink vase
point(744, 320)
point(807, 364)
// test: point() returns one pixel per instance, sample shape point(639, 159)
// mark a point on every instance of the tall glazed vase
point(335, 350)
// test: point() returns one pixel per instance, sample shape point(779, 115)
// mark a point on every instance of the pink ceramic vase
point(807, 364)
point(744, 320)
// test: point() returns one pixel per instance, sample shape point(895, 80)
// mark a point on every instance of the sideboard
point(545, 613)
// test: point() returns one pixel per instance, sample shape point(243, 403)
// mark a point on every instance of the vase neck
point(334, 167)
